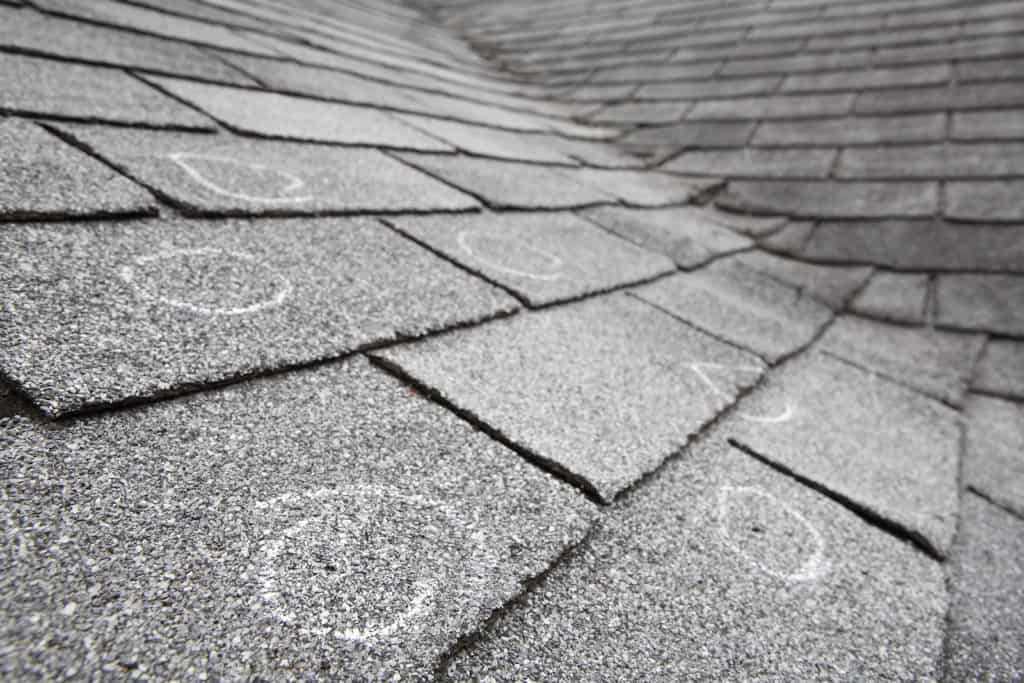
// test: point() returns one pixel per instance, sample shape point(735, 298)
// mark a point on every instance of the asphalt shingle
point(832, 285)
point(985, 620)
point(509, 184)
point(39, 33)
point(936, 363)
point(898, 297)
point(742, 306)
point(103, 313)
point(325, 525)
point(981, 302)
point(689, 236)
point(602, 391)
point(44, 87)
point(831, 199)
point(994, 460)
point(43, 177)
point(761, 578)
point(283, 116)
point(1001, 369)
point(883, 448)
point(542, 258)
point(225, 174)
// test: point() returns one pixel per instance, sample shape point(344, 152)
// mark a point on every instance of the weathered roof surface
point(542, 339)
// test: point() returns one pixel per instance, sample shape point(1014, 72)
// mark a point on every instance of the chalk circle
point(207, 281)
point(220, 170)
point(765, 520)
point(788, 412)
point(494, 250)
point(354, 569)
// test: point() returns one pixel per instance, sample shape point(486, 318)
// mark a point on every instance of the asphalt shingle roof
point(542, 339)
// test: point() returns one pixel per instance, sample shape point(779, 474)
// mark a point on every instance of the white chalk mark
point(270, 592)
point(788, 412)
point(466, 236)
point(281, 293)
point(294, 181)
point(814, 567)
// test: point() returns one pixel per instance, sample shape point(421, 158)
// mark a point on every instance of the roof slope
point(600, 339)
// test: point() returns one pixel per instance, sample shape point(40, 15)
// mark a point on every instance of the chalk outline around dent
point(127, 275)
point(461, 238)
point(425, 588)
point(813, 568)
point(296, 182)
point(788, 413)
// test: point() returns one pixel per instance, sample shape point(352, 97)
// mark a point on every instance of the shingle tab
point(542, 257)
point(932, 161)
point(508, 184)
point(35, 32)
point(44, 177)
point(1001, 369)
point(994, 460)
point(936, 363)
point(687, 235)
point(831, 199)
point(898, 297)
point(742, 306)
point(760, 577)
point(283, 116)
point(982, 302)
point(1000, 200)
point(31, 85)
point(775, 107)
point(987, 570)
point(859, 130)
point(881, 447)
point(104, 313)
point(224, 174)
point(327, 524)
point(491, 142)
point(755, 163)
point(603, 390)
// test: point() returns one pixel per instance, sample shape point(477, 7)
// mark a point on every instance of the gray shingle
point(1001, 369)
point(755, 163)
point(491, 142)
point(643, 188)
point(898, 297)
point(742, 306)
point(327, 524)
point(773, 107)
point(103, 313)
point(689, 236)
point(35, 32)
point(1001, 200)
point(884, 448)
point(859, 130)
point(936, 363)
point(44, 177)
point(831, 199)
point(224, 174)
point(509, 184)
point(832, 285)
point(32, 85)
point(603, 390)
point(283, 116)
point(760, 578)
point(988, 587)
point(994, 461)
point(919, 245)
point(932, 161)
point(999, 124)
point(982, 302)
point(541, 257)
point(868, 79)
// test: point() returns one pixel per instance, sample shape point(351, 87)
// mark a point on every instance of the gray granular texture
point(994, 459)
point(760, 579)
point(101, 313)
point(225, 174)
point(886, 449)
point(602, 390)
point(542, 257)
point(45, 177)
point(327, 525)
